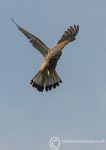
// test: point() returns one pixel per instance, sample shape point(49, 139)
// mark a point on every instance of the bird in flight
point(47, 77)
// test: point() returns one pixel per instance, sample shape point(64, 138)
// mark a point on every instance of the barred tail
point(46, 80)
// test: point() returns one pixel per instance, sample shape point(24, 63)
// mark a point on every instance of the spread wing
point(37, 43)
point(70, 34)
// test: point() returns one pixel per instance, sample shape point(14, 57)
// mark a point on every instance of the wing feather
point(69, 34)
point(36, 42)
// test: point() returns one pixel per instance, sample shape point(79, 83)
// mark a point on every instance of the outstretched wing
point(37, 43)
point(70, 34)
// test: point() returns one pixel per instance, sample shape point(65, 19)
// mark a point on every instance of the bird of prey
point(47, 77)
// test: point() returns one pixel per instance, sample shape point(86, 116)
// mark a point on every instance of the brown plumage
point(47, 77)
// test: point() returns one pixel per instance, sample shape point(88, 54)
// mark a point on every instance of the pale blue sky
point(75, 110)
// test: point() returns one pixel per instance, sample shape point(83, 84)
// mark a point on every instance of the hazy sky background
point(75, 110)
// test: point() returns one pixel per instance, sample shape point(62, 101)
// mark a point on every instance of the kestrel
point(47, 77)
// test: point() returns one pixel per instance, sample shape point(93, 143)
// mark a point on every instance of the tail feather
point(46, 80)
point(37, 82)
point(54, 81)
